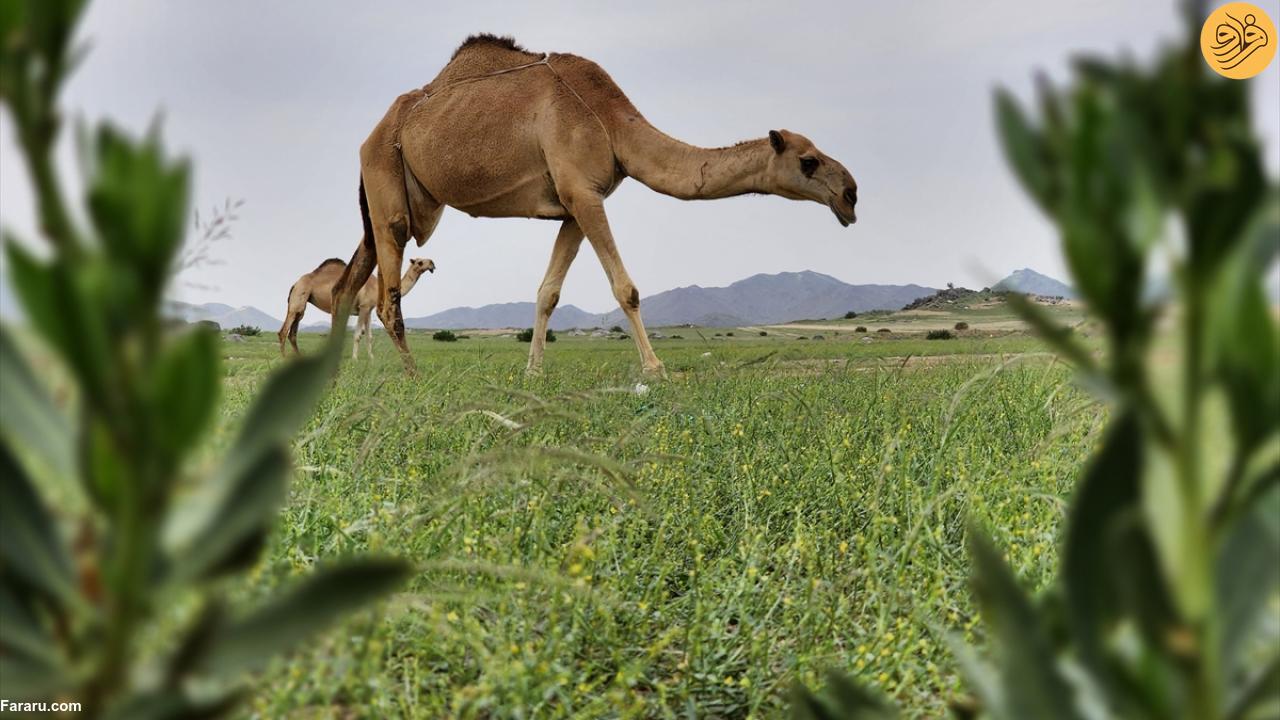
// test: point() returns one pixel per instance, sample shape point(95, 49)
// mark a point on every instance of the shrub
point(445, 336)
point(860, 329)
point(245, 330)
point(728, 334)
point(526, 335)
point(208, 325)
point(850, 315)
point(884, 330)
point(939, 335)
point(616, 329)
point(677, 337)
point(763, 333)
point(962, 325)
point(91, 570)
point(1170, 561)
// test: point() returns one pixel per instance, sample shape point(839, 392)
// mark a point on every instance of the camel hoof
point(655, 372)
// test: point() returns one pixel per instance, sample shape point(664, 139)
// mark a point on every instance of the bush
point(90, 575)
point(1170, 554)
point(939, 335)
point(616, 329)
point(850, 315)
point(208, 325)
point(728, 334)
point(526, 335)
point(677, 337)
point(245, 330)
point(884, 330)
point(962, 325)
point(860, 329)
point(763, 333)
point(444, 336)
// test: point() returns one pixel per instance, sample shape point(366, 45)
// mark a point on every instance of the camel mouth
point(846, 217)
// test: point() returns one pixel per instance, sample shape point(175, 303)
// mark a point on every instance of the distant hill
point(225, 315)
point(763, 299)
point(503, 315)
point(1029, 282)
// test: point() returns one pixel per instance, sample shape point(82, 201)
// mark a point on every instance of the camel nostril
point(851, 196)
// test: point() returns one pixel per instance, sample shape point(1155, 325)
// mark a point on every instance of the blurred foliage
point(106, 530)
point(526, 335)
point(444, 336)
point(1171, 555)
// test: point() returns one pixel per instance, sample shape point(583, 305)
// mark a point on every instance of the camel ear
point(775, 139)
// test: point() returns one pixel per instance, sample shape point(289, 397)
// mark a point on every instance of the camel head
point(800, 171)
point(420, 265)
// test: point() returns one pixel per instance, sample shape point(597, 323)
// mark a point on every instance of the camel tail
point(367, 241)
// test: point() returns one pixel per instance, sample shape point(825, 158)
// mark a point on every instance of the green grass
point(773, 509)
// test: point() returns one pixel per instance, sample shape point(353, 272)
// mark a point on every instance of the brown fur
point(317, 288)
point(502, 132)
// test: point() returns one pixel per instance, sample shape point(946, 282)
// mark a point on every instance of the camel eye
point(808, 165)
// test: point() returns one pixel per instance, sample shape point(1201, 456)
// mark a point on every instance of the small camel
point(316, 287)
point(503, 132)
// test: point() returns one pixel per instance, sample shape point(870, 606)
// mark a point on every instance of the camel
point(316, 287)
point(504, 132)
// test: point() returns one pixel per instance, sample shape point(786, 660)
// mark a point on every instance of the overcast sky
point(272, 100)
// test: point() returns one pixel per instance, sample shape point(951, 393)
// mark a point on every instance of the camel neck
point(407, 282)
point(688, 172)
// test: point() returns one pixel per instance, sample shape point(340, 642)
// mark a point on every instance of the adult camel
point(502, 132)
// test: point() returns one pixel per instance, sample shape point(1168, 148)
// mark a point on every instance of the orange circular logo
point(1238, 40)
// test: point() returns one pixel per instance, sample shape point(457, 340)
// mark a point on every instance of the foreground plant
point(106, 534)
point(1171, 556)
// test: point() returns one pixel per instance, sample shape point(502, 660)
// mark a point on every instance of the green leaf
point(137, 200)
point(230, 535)
point(212, 528)
point(1059, 337)
point(28, 419)
point(175, 704)
point(843, 699)
point(21, 635)
point(1025, 151)
point(27, 678)
point(1179, 544)
point(1032, 683)
point(1261, 690)
point(29, 543)
point(300, 612)
point(55, 301)
point(185, 389)
point(1106, 494)
point(1247, 575)
point(285, 404)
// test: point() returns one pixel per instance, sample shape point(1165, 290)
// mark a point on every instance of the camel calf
point(316, 287)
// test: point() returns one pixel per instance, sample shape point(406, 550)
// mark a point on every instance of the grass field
point(588, 548)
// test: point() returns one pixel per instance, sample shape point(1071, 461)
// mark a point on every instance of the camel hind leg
point(568, 240)
point(292, 318)
point(392, 222)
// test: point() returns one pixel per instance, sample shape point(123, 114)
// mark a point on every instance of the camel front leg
point(361, 319)
point(590, 215)
point(568, 240)
point(368, 331)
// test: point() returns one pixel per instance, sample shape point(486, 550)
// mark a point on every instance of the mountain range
point(759, 299)
point(225, 315)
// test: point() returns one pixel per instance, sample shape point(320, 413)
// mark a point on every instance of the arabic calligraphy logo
point(1238, 40)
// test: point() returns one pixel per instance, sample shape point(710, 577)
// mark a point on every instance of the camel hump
point(331, 261)
point(489, 40)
